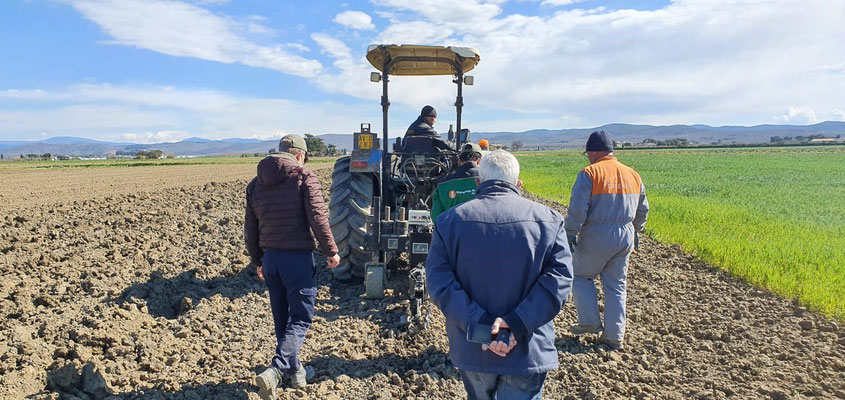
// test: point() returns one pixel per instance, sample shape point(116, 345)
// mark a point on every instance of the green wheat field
point(772, 216)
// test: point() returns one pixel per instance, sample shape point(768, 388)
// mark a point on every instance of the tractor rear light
point(359, 164)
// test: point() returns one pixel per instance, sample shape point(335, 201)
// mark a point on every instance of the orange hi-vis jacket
point(606, 193)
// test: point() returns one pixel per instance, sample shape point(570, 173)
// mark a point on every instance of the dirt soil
point(143, 292)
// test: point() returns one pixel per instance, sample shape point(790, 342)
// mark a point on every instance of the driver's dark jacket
point(426, 139)
point(500, 255)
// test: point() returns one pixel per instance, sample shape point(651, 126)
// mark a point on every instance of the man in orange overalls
point(607, 210)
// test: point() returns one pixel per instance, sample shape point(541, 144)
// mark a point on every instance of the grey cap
point(294, 141)
point(470, 148)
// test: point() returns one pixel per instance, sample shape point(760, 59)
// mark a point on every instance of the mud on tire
point(349, 207)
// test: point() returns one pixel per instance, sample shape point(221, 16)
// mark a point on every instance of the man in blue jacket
point(500, 260)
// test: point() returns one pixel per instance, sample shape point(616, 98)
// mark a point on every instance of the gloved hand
point(573, 242)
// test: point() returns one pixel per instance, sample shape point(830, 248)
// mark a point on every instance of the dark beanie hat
point(428, 111)
point(599, 141)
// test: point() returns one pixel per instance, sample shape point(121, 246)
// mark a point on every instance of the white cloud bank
point(355, 20)
point(559, 2)
point(186, 30)
point(693, 61)
point(154, 114)
point(717, 62)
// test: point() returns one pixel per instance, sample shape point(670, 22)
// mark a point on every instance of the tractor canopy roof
point(411, 59)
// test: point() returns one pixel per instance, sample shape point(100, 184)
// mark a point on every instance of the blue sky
point(163, 70)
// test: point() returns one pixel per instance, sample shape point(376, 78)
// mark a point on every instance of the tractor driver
point(421, 136)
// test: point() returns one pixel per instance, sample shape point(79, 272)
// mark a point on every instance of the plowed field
point(133, 282)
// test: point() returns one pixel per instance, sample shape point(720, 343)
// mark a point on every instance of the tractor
point(381, 200)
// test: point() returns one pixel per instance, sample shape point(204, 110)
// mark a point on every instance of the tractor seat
point(426, 144)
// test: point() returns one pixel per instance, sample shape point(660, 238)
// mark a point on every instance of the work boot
point(578, 329)
point(301, 377)
point(613, 344)
point(268, 383)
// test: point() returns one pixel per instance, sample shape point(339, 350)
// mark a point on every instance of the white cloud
point(147, 96)
point(798, 116)
point(559, 2)
point(834, 68)
point(805, 116)
point(84, 119)
point(265, 136)
point(27, 94)
point(332, 46)
point(154, 114)
point(415, 32)
point(355, 20)
point(298, 47)
point(693, 61)
point(154, 137)
point(352, 73)
point(212, 2)
point(447, 12)
point(185, 30)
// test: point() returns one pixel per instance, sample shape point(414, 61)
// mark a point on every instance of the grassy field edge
point(773, 244)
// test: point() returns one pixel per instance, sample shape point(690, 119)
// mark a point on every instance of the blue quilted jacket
point(500, 255)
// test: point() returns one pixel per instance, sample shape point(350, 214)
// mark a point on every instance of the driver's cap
point(470, 148)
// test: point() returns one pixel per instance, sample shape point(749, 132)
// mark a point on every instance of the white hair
point(499, 165)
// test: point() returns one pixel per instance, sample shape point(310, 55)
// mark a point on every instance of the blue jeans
point(480, 386)
point(289, 275)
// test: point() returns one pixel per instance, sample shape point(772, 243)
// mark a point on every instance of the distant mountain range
point(701, 134)
point(537, 138)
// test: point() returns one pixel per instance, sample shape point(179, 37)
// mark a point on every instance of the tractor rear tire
point(349, 208)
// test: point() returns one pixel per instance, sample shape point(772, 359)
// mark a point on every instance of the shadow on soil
point(430, 360)
point(89, 383)
point(168, 297)
point(575, 345)
point(350, 299)
point(235, 391)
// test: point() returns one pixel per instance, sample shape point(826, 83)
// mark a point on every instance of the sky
point(164, 70)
